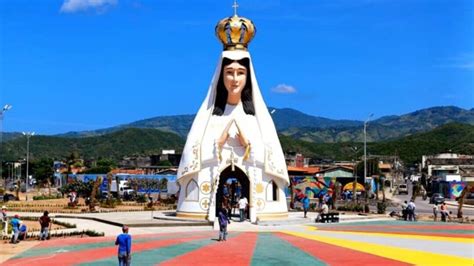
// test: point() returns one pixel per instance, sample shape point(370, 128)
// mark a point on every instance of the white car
point(402, 189)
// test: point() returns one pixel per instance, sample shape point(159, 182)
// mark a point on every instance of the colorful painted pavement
point(364, 243)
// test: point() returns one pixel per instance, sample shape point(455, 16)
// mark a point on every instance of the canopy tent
point(349, 186)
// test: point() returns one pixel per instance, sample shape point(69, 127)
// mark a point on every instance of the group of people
point(323, 207)
point(443, 211)
point(242, 204)
point(20, 229)
point(408, 211)
point(224, 215)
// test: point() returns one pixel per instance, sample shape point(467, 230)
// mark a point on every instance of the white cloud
point(72, 6)
point(284, 89)
point(462, 61)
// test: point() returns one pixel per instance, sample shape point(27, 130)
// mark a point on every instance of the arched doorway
point(233, 184)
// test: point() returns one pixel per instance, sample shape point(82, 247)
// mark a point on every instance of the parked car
point(402, 189)
point(437, 198)
point(7, 197)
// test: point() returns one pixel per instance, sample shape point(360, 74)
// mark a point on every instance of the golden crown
point(235, 32)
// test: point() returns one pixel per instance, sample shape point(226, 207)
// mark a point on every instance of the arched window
point(192, 191)
point(272, 191)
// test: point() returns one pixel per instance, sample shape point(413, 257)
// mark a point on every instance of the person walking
point(45, 223)
point(15, 223)
point(124, 242)
point(305, 205)
point(223, 222)
point(435, 212)
point(242, 207)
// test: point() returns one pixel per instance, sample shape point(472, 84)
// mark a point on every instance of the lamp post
point(365, 145)
point(28, 136)
point(2, 113)
point(354, 172)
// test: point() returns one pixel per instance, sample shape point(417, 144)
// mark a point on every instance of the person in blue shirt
point(223, 221)
point(305, 205)
point(15, 222)
point(124, 241)
point(23, 232)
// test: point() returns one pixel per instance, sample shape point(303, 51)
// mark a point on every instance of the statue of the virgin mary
point(233, 141)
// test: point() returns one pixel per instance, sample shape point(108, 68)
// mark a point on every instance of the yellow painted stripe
point(420, 237)
point(400, 254)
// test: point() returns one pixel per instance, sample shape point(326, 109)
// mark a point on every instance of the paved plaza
point(352, 243)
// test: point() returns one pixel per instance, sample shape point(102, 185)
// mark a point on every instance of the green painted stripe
point(50, 250)
point(155, 256)
point(272, 250)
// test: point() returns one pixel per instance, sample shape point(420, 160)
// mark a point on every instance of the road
point(423, 206)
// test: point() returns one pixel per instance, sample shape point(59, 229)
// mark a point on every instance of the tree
point(460, 200)
point(165, 163)
point(43, 170)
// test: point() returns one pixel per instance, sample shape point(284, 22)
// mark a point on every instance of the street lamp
point(354, 172)
point(365, 145)
point(2, 112)
point(28, 136)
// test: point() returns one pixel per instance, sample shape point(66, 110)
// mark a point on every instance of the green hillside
point(298, 125)
point(130, 141)
point(453, 137)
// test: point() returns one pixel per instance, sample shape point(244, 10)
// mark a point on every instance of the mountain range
point(453, 137)
point(301, 126)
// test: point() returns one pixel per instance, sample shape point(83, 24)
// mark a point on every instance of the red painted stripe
point(76, 257)
point(64, 242)
point(334, 255)
point(402, 233)
point(235, 251)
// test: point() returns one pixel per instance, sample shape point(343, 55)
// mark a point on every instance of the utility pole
point(28, 136)
point(354, 172)
point(365, 145)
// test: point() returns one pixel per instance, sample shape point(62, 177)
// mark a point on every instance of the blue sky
point(88, 64)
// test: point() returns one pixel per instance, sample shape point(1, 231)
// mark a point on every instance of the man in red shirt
point(45, 223)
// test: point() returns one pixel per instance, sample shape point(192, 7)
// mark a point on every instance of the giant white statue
point(233, 138)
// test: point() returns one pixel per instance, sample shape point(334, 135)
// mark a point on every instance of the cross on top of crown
point(235, 6)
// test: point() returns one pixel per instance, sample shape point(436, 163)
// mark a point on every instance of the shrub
point(381, 207)
point(110, 203)
point(141, 198)
point(46, 197)
point(93, 233)
point(65, 224)
point(353, 207)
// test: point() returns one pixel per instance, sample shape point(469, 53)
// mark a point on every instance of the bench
point(332, 217)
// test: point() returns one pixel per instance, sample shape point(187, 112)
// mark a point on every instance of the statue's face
point(235, 77)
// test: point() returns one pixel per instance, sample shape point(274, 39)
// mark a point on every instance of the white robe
point(201, 148)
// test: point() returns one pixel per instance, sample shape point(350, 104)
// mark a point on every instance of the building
point(296, 160)
point(449, 166)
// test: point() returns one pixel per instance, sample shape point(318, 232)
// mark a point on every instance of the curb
point(131, 224)
point(465, 206)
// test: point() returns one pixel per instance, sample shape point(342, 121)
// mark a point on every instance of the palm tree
point(109, 187)
point(460, 200)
